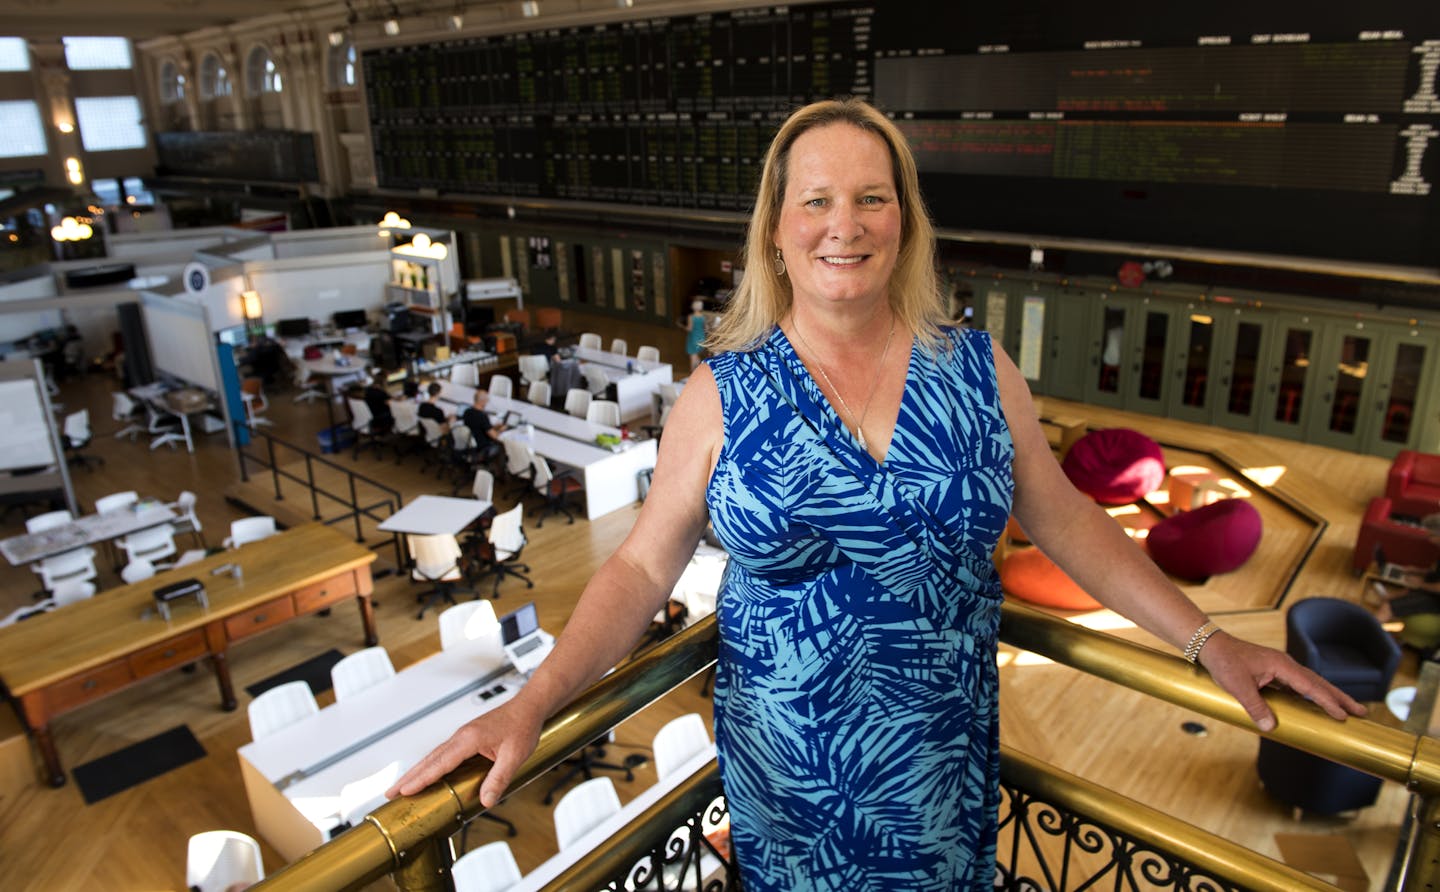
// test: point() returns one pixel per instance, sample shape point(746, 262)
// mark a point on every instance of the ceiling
point(136, 19)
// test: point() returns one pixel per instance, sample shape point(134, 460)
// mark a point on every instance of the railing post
point(1423, 869)
point(427, 869)
point(310, 484)
point(355, 504)
point(244, 472)
point(274, 467)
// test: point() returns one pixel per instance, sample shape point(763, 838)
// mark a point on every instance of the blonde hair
point(763, 297)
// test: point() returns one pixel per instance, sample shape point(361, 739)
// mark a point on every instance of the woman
point(859, 462)
point(695, 333)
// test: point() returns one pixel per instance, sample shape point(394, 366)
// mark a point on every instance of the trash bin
point(334, 439)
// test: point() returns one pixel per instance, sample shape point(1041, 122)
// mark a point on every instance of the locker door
point(1287, 401)
point(1030, 355)
point(1196, 365)
point(1342, 384)
point(1242, 367)
point(1111, 319)
point(1150, 337)
point(994, 314)
point(1405, 376)
point(1065, 369)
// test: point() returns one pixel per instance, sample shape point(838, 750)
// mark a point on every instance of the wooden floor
point(49, 839)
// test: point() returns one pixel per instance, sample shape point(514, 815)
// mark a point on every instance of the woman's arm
point(1092, 548)
point(614, 610)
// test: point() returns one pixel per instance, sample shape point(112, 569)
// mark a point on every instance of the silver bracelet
point(1197, 641)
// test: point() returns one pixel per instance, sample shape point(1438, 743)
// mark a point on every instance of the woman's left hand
point(1242, 669)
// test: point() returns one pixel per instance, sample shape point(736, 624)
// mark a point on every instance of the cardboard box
point(504, 342)
point(436, 352)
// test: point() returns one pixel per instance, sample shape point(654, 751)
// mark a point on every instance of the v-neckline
point(802, 373)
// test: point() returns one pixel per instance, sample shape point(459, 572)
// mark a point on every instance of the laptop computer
point(525, 645)
point(1386, 570)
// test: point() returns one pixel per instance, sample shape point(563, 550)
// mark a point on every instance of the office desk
point(557, 864)
point(435, 515)
point(633, 389)
point(83, 531)
point(609, 477)
point(62, 660)
point(294, 778)
point(181, 402)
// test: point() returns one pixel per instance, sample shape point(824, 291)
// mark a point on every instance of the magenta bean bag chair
point(1115, 466)
point(1214, 539)
point(1031, 576)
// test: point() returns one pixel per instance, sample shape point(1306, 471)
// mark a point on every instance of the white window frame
point(104, 134)
point(21, 135)
point(214, 79)
point(97, 53)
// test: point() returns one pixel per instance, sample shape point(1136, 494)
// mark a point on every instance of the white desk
point(609, 477)
point(435, 515)
point(633, 389)
point(83, 531)
point(297, 816)
point(159, 396)
point(554, 866)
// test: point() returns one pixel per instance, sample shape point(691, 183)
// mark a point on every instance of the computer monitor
point(292, 328)
point(518, 623)
point(350, 319)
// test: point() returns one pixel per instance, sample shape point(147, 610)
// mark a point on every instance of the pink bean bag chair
point(1214, 539)
point(1115, 466)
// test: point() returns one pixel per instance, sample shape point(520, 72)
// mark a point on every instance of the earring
point(779, 263)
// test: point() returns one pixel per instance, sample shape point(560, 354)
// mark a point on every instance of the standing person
point(695, 333)
point(859, 462)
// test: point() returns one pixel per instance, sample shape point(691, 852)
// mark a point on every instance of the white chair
point(218, 859)
point(603, 412)
point(501, 386)
point(517, 461)
point(407, 421)
point(137, 570)
point(48, 521)
point(591, 341)
point(300, 375)
point(437, 561)
point(467, 374)
point(250, 529)
point(577, 402)
point(647, 354)
point(189, 522)
point(116, 501)
point(69, 566)
point(507, 544)
point(490, 868)
point(153, 545)
point(619, 346)
point(679, 741)
point(280, 707)
point(360, 670)
point(466, 622)
point(597, 379)
point(533, 367)
point(539, 393)
point(77, 435)
point(252, 392)
point(583, 809)
point(125, 410)
point(484, 486)
point(67, 593)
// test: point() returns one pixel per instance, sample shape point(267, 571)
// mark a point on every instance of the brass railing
point(409, 838)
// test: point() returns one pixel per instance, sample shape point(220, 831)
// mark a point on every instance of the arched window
point(172, 83)
point(214, 79)
point(342, 65)
point(261, 75)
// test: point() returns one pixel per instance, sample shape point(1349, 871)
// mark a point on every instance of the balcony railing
point(1059, 832)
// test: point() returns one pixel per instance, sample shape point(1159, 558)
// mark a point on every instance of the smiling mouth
point(842, 261)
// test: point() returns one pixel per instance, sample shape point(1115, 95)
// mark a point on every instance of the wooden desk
point(67, 658)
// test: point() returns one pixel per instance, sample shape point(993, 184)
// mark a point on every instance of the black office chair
point(506, 543)
point(585, 762)
point(436, 561)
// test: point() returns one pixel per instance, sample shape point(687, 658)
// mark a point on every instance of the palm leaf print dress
point(856, 708)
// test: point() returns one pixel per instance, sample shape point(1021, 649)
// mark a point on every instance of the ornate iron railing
point(1059, 832)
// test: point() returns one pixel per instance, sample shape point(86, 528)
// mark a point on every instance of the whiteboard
point(24, 433)
point(180, 341)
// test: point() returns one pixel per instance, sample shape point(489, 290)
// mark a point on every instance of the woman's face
point(839, 228)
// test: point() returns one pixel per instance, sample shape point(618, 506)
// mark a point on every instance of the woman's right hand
point(506, 735)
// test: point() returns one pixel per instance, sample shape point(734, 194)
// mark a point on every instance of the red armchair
point(1403, 543)
point(1413, 485)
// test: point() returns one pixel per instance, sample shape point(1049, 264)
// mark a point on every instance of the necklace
point(864, 410)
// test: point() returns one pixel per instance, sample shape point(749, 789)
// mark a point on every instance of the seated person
point(1421, 585)
point(487, 435)
point(431, 408)
point(548, 347)
point(378, 399)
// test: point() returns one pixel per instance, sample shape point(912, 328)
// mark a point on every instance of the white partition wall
point(181, 344)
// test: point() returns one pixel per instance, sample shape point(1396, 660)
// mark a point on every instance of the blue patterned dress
point(856, 699)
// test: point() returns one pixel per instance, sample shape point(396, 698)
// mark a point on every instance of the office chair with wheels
point(437, 561)
point(507, 543)
point(577, 402)
point(483, 487)
point(680, 740)
point(126, 411)
point(362, 669)
point(647, 353)
point(252, 392)
point(116, 501)
point(606, 412)
point(556, 489)
point(619, 346)
point(137, 570)
point(189, 522)
point(154, 544)
point(279, 707)
point(591, 341)
point(218, 859)
point(583, 809)
point(250, 529)
point(48, 521)
point(77, 435)
point(501, 386)
point(466, 622)
point(490, 868)
point(69, 566)
point(539, 393)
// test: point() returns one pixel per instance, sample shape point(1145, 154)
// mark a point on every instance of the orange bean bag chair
point(1031, 576)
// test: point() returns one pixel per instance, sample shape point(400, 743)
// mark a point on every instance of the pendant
point(860, 438)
